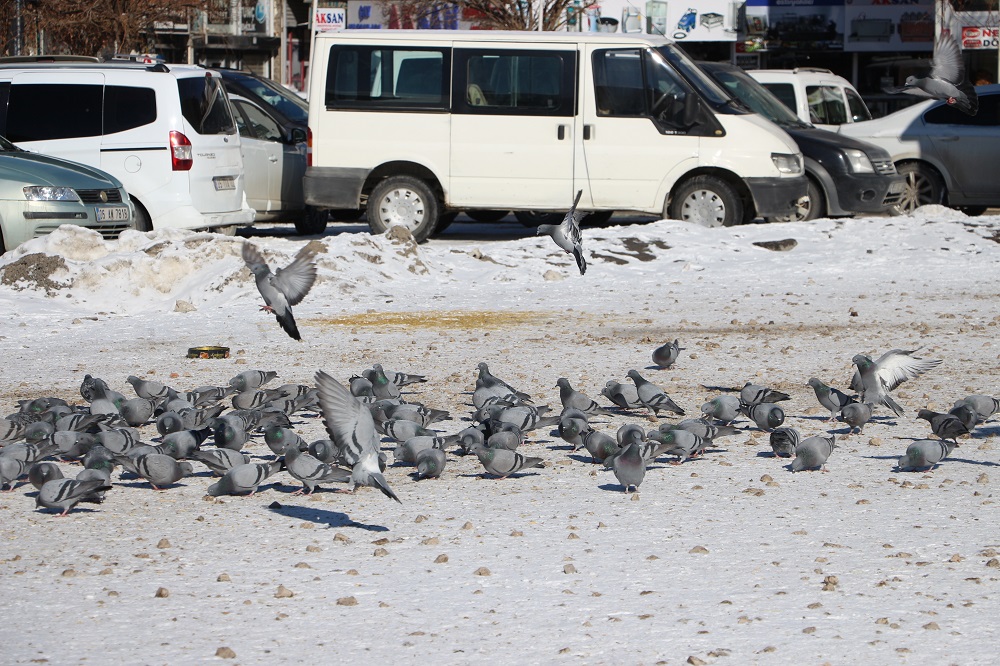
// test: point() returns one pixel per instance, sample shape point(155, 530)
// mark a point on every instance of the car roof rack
point(48, 58)
point(818, 70)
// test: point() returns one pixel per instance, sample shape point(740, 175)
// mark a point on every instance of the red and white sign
point(329, 18)
point(976, 37)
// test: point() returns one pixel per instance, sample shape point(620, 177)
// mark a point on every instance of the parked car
point(39, 193)
point(846, 176)
point(947, 156)
point(817, 96)
point(286, 107)
point(274, 161)
point(165, 131)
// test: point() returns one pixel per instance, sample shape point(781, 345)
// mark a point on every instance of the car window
point(388, 78)
point(826, 104)
point(783, 91)
point(859, 110)
point(988, 114)
point(260, 125)
point(128, 107)
point(205, 106)
point(512, 82)
point(42, 112)
point(286, 103)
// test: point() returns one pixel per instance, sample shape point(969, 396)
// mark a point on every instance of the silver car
point(39, 193)
point(947, 156)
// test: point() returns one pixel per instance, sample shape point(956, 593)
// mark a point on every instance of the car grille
point(94, 196)
point(891, 199)
point(109, 231)
point(884, 167)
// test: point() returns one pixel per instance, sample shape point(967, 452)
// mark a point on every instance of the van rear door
point(512, 126)
point(211, 141)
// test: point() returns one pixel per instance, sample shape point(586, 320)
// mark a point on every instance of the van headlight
point(49, 193)
point(858, 161)
point(787, 162)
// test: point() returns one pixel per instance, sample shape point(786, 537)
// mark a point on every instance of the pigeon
point(101, 471)
point(10, 430)
point(243, 479)
point(400, 379)
point(525, 417)
point(410, 411)
point(12, 469)
point(382, 386)
point(755, 394)
point(573, 399)
point(70, 444)
point(488, 379)
point(407, 451)
point(573, 425)
point(66, 493)
point(30, 452)
point(401, 430)
point(985, 406)
point(138, 411)
point(508, 439)
point(350, 425)
point(324, 450)
point(220, 461)
point(784, 441)
point(856, 415)
point(161, 470)
point(947, 80)
point(41, 472)
point(723, 408)
point(567, 235)
point(312, 471)
point(831, 398)
point(681, 443)
point(88, 387)
point(278, 438)
point(813, 452)
point(652, 396)
point(945, 426)
point(502, 463)
point(625, 396)
point(469, 438)
point(183, 443)
point(925, 453)
point(701, 427)
point(965, 413)
point(629, 466)
point(874, 379)
point(250, 380)
point(430, 463)
point(147, 389)
point(285, 287)
point(600, 445)
point(168, 422)
point(766, 415)
point(665, 355)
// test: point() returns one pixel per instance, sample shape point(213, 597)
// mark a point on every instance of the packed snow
point(729, 558)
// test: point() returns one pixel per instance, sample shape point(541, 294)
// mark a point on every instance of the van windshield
point(205, 105)
point(706, 87)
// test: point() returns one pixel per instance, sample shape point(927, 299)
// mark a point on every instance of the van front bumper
point(776, 197)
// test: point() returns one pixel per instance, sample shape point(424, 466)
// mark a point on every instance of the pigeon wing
point(253, 257)
point(947, 63)
point(348, 422)
point(296, 279)
point(896, 366)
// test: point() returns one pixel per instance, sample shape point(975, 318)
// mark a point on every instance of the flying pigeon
point(874, 379)
point(947, 79)
point(567, 235)
point(285, 287)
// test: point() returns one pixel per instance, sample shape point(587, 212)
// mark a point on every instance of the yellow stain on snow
point(451, 319)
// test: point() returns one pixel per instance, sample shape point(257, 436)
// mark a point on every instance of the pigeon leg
point(299, 491)
point(267, 308)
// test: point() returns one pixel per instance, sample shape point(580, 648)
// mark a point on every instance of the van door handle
point(561, 132)
point(588, 132)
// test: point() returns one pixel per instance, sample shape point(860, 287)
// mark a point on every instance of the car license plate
point(224, 183)
point(112, 213)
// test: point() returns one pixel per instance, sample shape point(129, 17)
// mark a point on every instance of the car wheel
point(312, 222)
point(708, 201)
point(532, 218)
point(403, 201)
point(972, 211)
point(923, 186)
point(487, 215)
point(142, 219)
point(809, 208)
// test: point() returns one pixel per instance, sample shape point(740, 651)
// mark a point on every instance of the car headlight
point(787, 162)
point(49, 193)
point(858, 161)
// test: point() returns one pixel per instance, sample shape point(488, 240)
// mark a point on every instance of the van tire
point(142, 220)
point(403, 201)
point(312, 222)
point(708, 201)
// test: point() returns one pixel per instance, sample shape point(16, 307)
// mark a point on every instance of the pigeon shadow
point(486, 476)
point(889, 457)
point(322, 517)
point(981, 463)
point(582, 459)
point(771, 454)
point(613, 488)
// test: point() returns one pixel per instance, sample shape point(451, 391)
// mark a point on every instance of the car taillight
point(181, 155)
point(309, 147)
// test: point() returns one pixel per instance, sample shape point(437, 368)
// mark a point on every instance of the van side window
point(640, 83)
point(45, 112)
point(128, 107)
point(386, 78)
point(826, 105)
point(515, 82)
point(205, 106)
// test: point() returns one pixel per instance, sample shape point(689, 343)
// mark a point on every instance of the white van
point(165, 131)
point(817, 96)
point(413, 125)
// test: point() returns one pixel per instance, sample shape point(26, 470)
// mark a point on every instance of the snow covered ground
point(727, 559)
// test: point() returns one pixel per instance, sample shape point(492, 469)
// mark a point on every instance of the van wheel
point(403, 201)
point(312, 221)
point(810, 208)
point(923, 186)
point(708, 201)
point(487, 216)
point(142, 220)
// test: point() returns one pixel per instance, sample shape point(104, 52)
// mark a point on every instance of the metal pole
point(541, 14)
point(18, 27)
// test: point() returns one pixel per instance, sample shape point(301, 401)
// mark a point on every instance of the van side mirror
point(297, 135)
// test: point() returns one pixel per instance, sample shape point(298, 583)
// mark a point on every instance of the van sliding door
point(512, 131)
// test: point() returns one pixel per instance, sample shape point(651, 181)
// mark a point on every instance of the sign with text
point(326, 19)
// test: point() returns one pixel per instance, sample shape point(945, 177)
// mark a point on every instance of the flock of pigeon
point(104, 433)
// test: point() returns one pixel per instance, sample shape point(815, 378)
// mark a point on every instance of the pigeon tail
point(970, 104)
point(892, 404)
point(581, 261)
point(287, 322)
point(379, 482)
